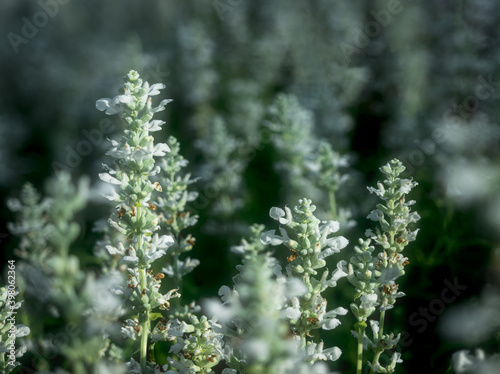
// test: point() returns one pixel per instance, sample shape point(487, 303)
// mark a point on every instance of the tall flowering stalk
point(252, 316)
point(53, 279)
point(175, 218)
point(327, 169)
point(135, 216)
point(310, 243)
point(374, 276)
point(292, 137)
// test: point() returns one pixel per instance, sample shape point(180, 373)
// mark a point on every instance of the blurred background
point(375, 79)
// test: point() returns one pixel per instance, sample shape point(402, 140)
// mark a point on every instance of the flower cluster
point(252, 317)
point(135, 216)
point(326, 171)
point(310, 243)
point(174, 218)
point(222, 173)
point(58, 284)
point(292, 137)
point(374, 276)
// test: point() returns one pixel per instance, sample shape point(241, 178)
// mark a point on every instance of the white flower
point(161, 107)
point(178, 328)
point(368, 302)
point(406, 185)
point(155, 89)
point(316, 352)
point(269, 237)
point(334, 245)
point(154, 125)
point(293, 312)
point(226, 294)
point(329, 227)
point(337, 274)
point(159, 150)
point(109, 179)
point(128, 330)
point(376, 215)
point(329, 321)
point(380, 192)
point(278, 214)
point(112, 106)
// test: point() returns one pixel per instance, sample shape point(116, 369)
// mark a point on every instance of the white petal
point(108, 178)
point(278, 214)
point(22, 330)
point(155, 89)
point(103, 104)
point(269, 237)
point(160, 149)
point(292, 313)
point(330, 324)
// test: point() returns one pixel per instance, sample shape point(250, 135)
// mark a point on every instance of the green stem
point(381, 324)
point(359, 363)
point(2, 360)
point(303, 340)
point(333, 204)
point(144, 324)
point(79, 368)
point(375, 359)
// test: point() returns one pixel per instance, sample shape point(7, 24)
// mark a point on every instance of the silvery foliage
point(374, 276)
point(171, 204)
point(53, 277)
point(252, 317)
point(310, 243)
point(222, 172)
point(292, 137)
point(140, 213)
point(135, 216)
point(327, 168)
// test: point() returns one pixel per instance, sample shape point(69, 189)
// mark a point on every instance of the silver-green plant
point(151, 200)
point(374, 276)
point(222, 173)
point(292, 137)
point(328, 172)
point(80, 302)
point(175, 218)
point(252, 316)
point(310, 242)
point(135, 216)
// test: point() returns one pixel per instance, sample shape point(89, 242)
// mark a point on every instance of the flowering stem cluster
point(171, 205)
point(310, 244)
point(135, 215)
point(252, 316)
point(374, 277)
point(57, 283)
